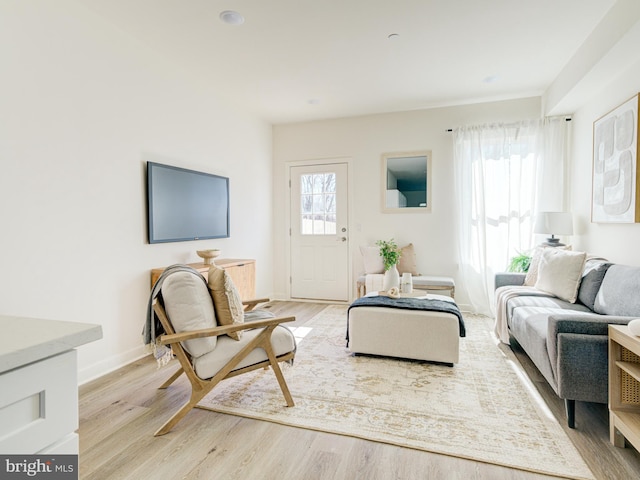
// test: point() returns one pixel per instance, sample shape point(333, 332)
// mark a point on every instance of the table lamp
point(554, 223)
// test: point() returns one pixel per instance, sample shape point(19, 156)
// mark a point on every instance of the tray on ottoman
point(421, 328)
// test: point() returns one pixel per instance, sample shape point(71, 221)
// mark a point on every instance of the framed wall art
point(615, 195)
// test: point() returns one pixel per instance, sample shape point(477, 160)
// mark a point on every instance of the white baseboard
point(111, 364)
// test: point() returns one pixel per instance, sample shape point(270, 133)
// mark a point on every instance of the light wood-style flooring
point(120, 412)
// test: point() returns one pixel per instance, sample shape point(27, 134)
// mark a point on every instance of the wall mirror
point(406, 182)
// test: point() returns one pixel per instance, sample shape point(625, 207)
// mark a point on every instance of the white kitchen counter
point(28, 340)
point(39, 384)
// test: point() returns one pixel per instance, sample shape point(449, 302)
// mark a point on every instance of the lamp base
point(553, 242)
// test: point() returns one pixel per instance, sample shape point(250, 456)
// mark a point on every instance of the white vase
point(391, 279)
point(634, 327)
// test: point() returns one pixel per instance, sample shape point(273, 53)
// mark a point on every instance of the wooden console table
point(241, 271)
point(624, 386)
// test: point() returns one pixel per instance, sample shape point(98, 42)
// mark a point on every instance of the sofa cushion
point(529, 326)
point(189, 307)
point(226, 299)
point(592, 276)
point(552, 304)
point(560, 272)
point(618, 294)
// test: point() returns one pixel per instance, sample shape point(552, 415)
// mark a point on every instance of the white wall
point(82, 107)
point(617, 242)
point(364, 140)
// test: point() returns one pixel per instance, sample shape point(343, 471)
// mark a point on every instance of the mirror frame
point(385, 158)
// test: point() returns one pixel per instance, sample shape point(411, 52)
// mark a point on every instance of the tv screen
point(186, 205)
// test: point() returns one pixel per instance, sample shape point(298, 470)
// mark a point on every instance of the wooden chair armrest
point(251, 304)
point(226, 329)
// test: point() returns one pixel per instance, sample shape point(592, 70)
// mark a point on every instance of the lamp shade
point(554, 223)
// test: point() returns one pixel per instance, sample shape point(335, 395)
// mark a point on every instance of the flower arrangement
point(389, 252)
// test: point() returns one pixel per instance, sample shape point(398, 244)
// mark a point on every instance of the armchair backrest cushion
point(226, 299)
point(189, 307)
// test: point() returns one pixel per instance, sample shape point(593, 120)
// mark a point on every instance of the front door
point(319, 237)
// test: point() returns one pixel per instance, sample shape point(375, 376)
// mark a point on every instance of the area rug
point(481, 409)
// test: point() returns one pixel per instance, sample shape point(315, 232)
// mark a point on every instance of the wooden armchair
point(262, 344)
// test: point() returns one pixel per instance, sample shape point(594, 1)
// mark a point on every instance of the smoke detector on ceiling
point(231, 18)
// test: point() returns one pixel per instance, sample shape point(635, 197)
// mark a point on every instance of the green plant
point(520, 263)
point(389, 252)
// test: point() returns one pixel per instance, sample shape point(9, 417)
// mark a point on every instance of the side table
point(624, 386)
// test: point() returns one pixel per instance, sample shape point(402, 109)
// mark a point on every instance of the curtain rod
point(566, 119)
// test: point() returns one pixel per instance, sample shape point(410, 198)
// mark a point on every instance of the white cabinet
point(39, 384)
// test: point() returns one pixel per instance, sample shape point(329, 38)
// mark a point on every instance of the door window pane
point(318, 204)
point(306, 203)
point(330, 203)
point(306, 184)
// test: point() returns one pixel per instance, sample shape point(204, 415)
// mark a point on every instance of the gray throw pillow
point(592, 276)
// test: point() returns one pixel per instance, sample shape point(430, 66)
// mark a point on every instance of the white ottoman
point(397, 332)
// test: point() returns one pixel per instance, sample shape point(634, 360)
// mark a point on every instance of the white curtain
point(503, 174)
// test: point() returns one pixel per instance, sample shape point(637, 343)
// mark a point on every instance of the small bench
point(420, 282)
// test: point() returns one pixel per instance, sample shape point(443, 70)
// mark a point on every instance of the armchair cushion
point(226, 299)
point(190, 307)
point(282, 341)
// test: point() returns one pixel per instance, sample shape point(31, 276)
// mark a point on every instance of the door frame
point(311, 163)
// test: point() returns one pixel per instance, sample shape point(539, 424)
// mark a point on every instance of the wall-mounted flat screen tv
point(185, 205)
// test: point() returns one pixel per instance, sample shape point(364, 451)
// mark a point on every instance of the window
point(318, 204)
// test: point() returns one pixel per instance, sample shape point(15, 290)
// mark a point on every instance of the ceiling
point(301, 60)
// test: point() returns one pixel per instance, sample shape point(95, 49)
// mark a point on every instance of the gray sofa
point(568, 342)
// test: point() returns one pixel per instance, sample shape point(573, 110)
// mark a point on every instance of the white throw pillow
point(560, 272)
point(532, 274)
point(372, 260)
point(189, 307)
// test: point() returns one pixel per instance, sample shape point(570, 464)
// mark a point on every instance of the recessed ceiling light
point(490, 79)
point(313, 101)
point(231, 18)
point(393, 35)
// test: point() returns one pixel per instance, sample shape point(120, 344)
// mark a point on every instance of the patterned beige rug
point(481, 409)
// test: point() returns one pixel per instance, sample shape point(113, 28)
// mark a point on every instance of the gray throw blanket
point(409, 303)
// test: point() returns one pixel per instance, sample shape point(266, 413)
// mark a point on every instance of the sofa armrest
point(575, 344)
point(583, 323)
point(582, 367)
point(503, 279)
